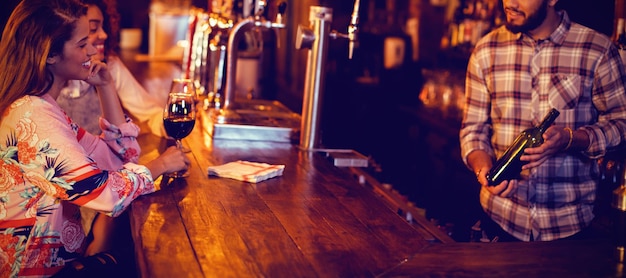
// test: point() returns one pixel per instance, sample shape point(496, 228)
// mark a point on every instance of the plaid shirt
point(512, 82)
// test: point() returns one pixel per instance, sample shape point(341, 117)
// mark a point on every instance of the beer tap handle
point(353, 29)
point(282, 7)
point(259, 8)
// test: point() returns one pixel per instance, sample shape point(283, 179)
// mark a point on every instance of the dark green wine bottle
point(509, 166)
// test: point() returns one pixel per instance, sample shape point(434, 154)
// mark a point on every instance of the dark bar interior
point(363, 107)
point(394, 116)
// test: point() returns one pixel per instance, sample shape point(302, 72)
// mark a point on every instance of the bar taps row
point(256, 21)
point(211, 58)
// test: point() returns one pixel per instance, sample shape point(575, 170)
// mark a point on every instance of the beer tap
point(280, 20)
point(314, 37)
point(259, 7)
point(353, 28)
point(255, 21)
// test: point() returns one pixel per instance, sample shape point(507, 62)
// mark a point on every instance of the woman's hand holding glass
point(172, 160)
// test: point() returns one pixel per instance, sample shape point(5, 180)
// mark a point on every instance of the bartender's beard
point(533, 20)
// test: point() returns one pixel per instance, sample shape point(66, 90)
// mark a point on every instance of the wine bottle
point(509, 165)
point(618, 34)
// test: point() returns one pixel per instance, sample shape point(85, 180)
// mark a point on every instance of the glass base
point(176, 175)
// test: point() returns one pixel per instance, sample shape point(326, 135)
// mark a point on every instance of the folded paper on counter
point(247, 171)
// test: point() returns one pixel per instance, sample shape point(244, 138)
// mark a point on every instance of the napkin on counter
point(247, 171)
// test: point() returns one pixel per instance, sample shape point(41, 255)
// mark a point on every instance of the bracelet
point(571, 138)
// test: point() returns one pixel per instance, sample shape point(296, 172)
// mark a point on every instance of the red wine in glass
point(179, 116)
point(179, 128)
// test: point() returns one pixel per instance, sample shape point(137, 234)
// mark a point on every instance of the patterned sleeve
point(609, 98)
point(56, 163)
point(475, 133)
point(122, 140)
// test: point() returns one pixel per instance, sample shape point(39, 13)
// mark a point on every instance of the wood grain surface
point(315, 220)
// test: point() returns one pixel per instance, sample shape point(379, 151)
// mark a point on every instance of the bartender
point(537, 61)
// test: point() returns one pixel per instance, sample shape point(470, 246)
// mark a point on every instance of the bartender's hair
point(111, 23)
point(36, 30)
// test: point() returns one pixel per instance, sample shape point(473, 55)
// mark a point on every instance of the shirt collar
point(559, 35)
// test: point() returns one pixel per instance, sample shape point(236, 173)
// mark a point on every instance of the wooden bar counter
point(316, 220)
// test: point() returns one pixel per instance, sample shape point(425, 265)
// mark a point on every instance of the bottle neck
point(618, 34)
point(618, 22)
point(548, 120)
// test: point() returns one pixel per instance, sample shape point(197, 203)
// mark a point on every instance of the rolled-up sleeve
point(114, 147)
point(609, 99)
point(122, 140)
point(476, 130)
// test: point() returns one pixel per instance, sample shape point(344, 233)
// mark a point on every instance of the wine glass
point(185, 86)
point(179, 115)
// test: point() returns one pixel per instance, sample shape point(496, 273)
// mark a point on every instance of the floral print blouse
point(49, 167)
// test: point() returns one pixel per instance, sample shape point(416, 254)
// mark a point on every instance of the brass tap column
point(315, 38)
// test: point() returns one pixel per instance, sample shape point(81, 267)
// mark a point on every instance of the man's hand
point(555, 139)
point(503, 189)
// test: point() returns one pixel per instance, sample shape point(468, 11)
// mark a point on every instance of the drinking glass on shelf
point(179, 115)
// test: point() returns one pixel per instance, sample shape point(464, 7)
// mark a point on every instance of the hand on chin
point(98, 74)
